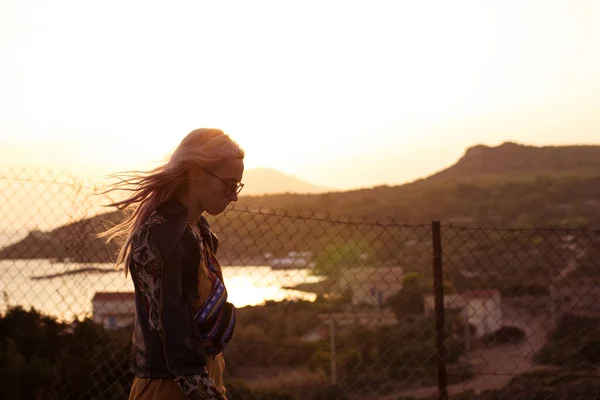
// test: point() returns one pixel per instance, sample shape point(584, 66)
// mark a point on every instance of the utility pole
point(552, 302)
point(466, 327)
point(332, 351)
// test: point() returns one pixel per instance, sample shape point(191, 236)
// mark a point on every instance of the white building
point(371, 286)
point(482, 308)
point(454, 301)
point(113, 309)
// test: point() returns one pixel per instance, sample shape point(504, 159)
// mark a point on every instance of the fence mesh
point(329, 307)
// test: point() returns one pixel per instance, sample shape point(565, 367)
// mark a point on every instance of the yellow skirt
point(159, 389)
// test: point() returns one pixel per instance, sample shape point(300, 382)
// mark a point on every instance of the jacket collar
point(172, 208)
point(175, 209)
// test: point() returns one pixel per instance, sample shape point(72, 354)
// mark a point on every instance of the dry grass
point(288, 380)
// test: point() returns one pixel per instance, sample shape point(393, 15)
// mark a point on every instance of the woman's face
point(218, 187)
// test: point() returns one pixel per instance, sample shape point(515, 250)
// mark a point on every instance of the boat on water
point(293, 260)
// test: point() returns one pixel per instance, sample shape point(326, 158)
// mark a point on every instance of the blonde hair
point(204, 148)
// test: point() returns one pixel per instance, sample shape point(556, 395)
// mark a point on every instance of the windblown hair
point(201, 148)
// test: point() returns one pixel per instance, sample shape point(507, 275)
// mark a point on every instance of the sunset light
point(316, 199)
point(302, 88)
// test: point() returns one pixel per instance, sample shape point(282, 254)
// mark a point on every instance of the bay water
point(69, 296)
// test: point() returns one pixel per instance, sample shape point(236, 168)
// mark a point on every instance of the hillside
point(486, 186)
point(509, 184)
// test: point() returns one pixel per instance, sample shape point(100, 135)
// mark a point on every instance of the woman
point(183, 320)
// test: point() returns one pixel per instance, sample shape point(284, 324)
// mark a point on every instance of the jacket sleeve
point(182, 343)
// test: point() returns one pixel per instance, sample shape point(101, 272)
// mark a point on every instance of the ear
point(187, 177)
point(194, 174)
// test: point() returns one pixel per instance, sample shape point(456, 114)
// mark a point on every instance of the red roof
point(114, 296)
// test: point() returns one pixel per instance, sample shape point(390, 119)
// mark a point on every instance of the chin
point(216, 210)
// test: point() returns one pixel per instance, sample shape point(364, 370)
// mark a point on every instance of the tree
point(409, 300)
point(335, 258)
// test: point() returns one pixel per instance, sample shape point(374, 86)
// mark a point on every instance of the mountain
point(510, 184)
point(507, 185)
point(516, 161)
point(261, 181)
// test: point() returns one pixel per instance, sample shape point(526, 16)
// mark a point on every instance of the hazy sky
point(343, 94)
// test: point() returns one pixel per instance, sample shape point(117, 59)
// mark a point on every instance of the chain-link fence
point(328, 307)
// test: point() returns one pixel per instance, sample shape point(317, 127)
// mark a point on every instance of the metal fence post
point(438, 290)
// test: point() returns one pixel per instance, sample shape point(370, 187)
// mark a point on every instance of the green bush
point(570, 343)
point(42, 358)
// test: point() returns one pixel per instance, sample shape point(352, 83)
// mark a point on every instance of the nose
point(233, 197)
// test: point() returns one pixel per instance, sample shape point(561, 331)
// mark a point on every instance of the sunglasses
point(230, 186)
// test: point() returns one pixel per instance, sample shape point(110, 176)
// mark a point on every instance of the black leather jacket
point(163, 261)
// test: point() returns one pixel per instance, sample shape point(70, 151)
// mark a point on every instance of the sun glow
point(313, 89)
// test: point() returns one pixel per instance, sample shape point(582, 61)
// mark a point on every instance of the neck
point(193, 210)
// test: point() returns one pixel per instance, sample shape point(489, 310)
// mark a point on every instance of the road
point(495, 366)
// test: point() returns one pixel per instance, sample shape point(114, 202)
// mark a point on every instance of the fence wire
point(329, 307)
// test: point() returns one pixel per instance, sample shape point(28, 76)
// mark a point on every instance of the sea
point(67, 297)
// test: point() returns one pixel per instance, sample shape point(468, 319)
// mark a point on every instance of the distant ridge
point(264, 181)
point(517, 160)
